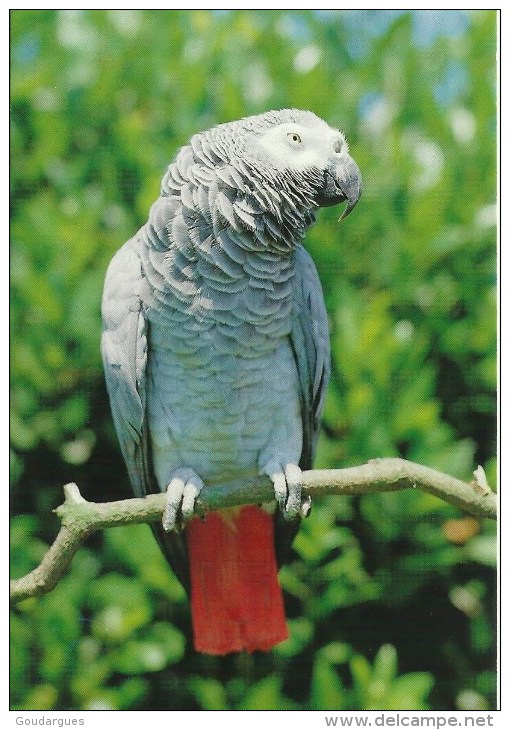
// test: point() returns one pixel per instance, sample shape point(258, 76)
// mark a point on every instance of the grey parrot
point(216, 355)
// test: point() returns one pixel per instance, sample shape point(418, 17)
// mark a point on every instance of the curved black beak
point(348, 179)
point(342, 181)
point(350, 184)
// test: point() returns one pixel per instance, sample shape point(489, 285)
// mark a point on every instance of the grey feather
point(310, 344)
point(124, 352)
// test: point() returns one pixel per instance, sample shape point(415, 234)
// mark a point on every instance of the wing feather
point(310, 344)
point(309, 339)
point(124, 352)
point(124, 346)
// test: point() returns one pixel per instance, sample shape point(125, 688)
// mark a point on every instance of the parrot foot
point(184, 487)
point(287, 482)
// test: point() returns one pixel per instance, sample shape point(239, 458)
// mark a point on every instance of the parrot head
point(308, 145)
point(292, 146)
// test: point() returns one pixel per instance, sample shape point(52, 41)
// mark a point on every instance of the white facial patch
point(299, 148)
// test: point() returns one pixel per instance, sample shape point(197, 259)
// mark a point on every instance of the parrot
point(216, 354)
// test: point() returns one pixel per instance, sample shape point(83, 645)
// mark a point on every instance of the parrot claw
point(184, 487)
point(287, 482)
point(306, 506)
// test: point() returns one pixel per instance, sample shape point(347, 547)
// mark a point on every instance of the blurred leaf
point(301, 633)
point(409, 692)
point(41, 697)
point(266, 695)
point(327, 692)
point(482, 549)
point(136, 547)
point(209, 692)
point(123, 607)
point(385, 664)
point(161, 645)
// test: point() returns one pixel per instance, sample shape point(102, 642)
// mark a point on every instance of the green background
point(391, 598)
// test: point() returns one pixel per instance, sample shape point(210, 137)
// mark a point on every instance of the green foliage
point(100, 102)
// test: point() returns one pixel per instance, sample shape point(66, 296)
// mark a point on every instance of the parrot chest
point(220, 388)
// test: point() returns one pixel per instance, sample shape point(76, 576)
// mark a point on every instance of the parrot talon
point(294, 480)
point(184, 487)
point(306, 506)
point(280, 489)
point(287, 483)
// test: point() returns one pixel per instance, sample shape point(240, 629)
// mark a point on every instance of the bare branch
point(80, 518)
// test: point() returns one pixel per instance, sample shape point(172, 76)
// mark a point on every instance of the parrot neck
point(218, 249)
point(269, 209)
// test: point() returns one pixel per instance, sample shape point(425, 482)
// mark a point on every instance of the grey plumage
point(215, 340)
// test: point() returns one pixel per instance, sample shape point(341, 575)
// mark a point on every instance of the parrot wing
point(310, 344)
point(124, 351)
point(124, 347)
point(309, 340)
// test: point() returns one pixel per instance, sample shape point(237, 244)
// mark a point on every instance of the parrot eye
point(294, 137)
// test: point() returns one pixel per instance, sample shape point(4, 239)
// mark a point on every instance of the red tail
point(236, 600)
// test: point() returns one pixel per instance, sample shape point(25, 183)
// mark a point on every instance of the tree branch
point(80, 518)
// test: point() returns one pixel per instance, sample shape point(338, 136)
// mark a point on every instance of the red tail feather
point(236, 600)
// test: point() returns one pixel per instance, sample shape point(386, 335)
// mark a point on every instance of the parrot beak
point(342, 182)
point(349, 182)
point(352, 192)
